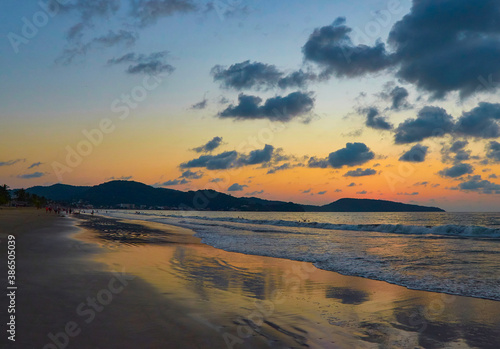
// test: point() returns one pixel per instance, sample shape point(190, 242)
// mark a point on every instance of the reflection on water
point(288, 303)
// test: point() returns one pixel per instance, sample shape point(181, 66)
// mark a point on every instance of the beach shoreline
point(181, 293)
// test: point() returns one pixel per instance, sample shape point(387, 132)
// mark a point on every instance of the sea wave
point(451, 230)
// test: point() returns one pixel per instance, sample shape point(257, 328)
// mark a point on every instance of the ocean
point(454, 253)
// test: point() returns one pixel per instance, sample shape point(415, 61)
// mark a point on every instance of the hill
point(113, 194)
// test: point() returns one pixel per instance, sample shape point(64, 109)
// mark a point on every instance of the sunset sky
point(304, 101)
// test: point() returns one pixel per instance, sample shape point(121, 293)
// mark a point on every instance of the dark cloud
point(257, 75)
point(277, 108)
point(322, 192)
point(11, 162)
point(152, 64)
point(416, 154)
point(456, 152)
point(480, 122)
point(457, 170)
point(216, 180)
point(35, 164)
point(237, 187)
point(211, 145)
point(200, 105)
point(374, 120)
point(477, 184)
point(315, 162)
point(285, 166)
point(192, 175)
point(493, 151)
point(430, 122)
point(306, 191)
point(247, 75)
point(353, 154)
point(352, 184)
point(410, 194)
point(112, 38)
point(231, 159)
point(297, 79)
point(331, 48)
point(257, 156)
point(399, 97)
point(31, 175)
point(444, 46)
point(359, 172)
point(122, 178)
point(174, 182)
point(213, 162)
point(362, 192)
point(255, 192)
point(147, 12)
point(458, 146)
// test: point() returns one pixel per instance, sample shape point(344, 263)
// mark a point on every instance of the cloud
point(122, 178)
point(297, 79)
point(200, 105)
point(247, 75)
point(31, 175)
point(410, 194)
point(237, 187)
point(277, 108)
point(315, 162)
point(285, 166)
point(322, 192)
point(444, 46)
point(374, 120)
point(352, 185)
point(416, 154)
point(480, 122)
point(399, 97)
point(213, 162)
point(210, 146)
point(477, 184)
point(353, 154)
point(420, 183)
point(456, 152)
point(257, 75)
point(255, 192)
point(35, 164)
point(173, 182)
point(257, 156)
point(216, 180)
point(147, 12)
point(192, 175)
point(430, 122)
point(11, 162)
point(112, 38)
point(307, 191)
point(152, 64)
point(359, 172)
point(331, 48)
point(231, 159)
point(493, 152)
point(457, 170)
point(362, 192)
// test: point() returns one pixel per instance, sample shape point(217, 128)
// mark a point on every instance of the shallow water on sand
point(443, 252)
point(281, 301)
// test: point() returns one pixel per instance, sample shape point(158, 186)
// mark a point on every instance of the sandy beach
point(95, 282)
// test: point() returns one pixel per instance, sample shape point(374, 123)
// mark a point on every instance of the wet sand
point(180, 293)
